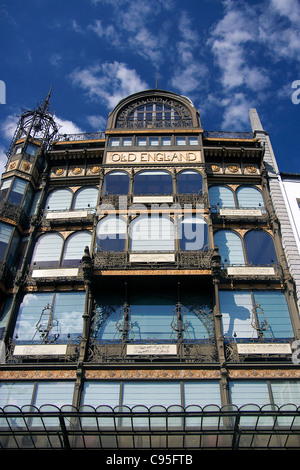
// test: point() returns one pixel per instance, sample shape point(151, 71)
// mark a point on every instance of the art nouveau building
point(146, 300)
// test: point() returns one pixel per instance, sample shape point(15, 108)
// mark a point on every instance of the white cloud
point(97, 122)
point(67, 127)
point(109, 82)
point(236, 115)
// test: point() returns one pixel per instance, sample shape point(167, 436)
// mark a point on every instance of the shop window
point(260, 248)
point(249, 197)
point(50, 317)
point(153, 182)
point(255, 314)
point(230, 247)
point(17, 192)
point(111, 234)
point(116, 182)
point(85, 198)
point(74, 248)
point(21, 393)
point(59, 200)
point(5, 234)
point(193, 234)
point(47, 250)
point(221, 196)
point(189, 181)
point(152, 233)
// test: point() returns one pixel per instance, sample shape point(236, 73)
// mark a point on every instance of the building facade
point(146, 298)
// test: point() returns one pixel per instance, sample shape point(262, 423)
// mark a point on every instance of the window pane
point(31, 149)
point(17, 192)
point(101, 393)
point(180, 141)
point(193, 234)
point(54, 393)
point(153, 182)
point(5, 233)
point(193, 140)
point(151, 393)
point(142, 141)
point(153, 141)
point(260, 248)
point(152, 234)
point(276, 313)
point(108, 321)
point(16, 393)
point(166, 140)
point(68, 310)
point(74, 248)
point(189, 182)
point(244, 392)
point(127, 141)
point(116, 182)
point(114, 142)
point(47, 250)
point(286, 392)
point(86, 198)
point(30, 312)
point(5, 185)
point(249, 197)
point(111, 234)
point(201, 393)
point(59, 200)
point(230, 247)
point(221, 196)
point(236, 309)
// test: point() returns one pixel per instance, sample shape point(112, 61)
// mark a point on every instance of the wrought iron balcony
point(13, 212)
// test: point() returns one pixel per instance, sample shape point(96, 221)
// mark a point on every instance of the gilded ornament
point(77, 171)
point(233, 168)
point(251, 169)
point(215, 168)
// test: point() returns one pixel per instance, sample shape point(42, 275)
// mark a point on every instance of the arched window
point(260, 248)
point(111, 234)
point(85, 198)
point(249, 196)
point(47, 250)
point(74, 248)
point(189, 181)
point(59, 200)
point(153, 233)
point(193, 234)
point(153, 182)
point(221, 196)
point(230, 247)
point(116, 182)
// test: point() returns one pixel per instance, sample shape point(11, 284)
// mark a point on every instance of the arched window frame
point(165, 172)
point(114, 218)
point(189, 171)
point(271, 238)
point(235, 195)
point(68, 240)
point(240, 239)
point(157, 243)
point(111, 173)
point(80, 191)
point(180, 229)
point(55, 191)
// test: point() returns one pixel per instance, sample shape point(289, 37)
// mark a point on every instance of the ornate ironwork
point(228, 135)
point(79, 137)
point(13, 212)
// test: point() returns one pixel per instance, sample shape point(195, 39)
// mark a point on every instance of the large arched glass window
point(260, 248)
point(153, 233)
point(47, 251)
point(230, 247)
point(116, 182)
point(85, 198)
point(59, 200)
point(111, 234)
point(189, 181)
point(193, 234)
point(248, 196)
point(221, 196)
point(74, 248)
point(153, 182)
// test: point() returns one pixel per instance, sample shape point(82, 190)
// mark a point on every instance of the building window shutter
point(221, 196)
point(249, 197)
point(59, 200)
point(47, 250)
point(86, 198)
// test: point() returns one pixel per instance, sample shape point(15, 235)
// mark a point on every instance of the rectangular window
point(5, 185)
point(153, 141)
point(180, 141)
point(141, 141)
point(114, 142)
point(193, 140)
point(127, 141)
point(166, 140)
point(18, 190)
point(31, 149)
point(5, 233)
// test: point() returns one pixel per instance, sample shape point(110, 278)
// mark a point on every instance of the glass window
point(4, 314)
point(5, 233)
point(18, 190)
point(5, 185)
point(153, 182)
point(180, 141)
point(221, 196)
point(245, 392)
point(35, 202)
point(260, 248)
point(116, 182)
point(18, 149)
point(17, 393)
point(230, 247)
point(201, 393)
point(193, 234)
point(193, 140)
point(153, 141)
point(74, 248)
point(47, 250)
point(152, 233)
point(151, 393)
point(127, 141)
point(59, 200)
point(13, 249)
point(188, 182)
point(85, 198)
point(142, 141)
point(101, 393)
point(111, 234)
point(266, 314)
point(166, 140)
point(31, 149)
point(62, 312)
point(249, 197)
point(114, 141)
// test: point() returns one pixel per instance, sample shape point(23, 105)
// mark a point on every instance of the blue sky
point(225, 55)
